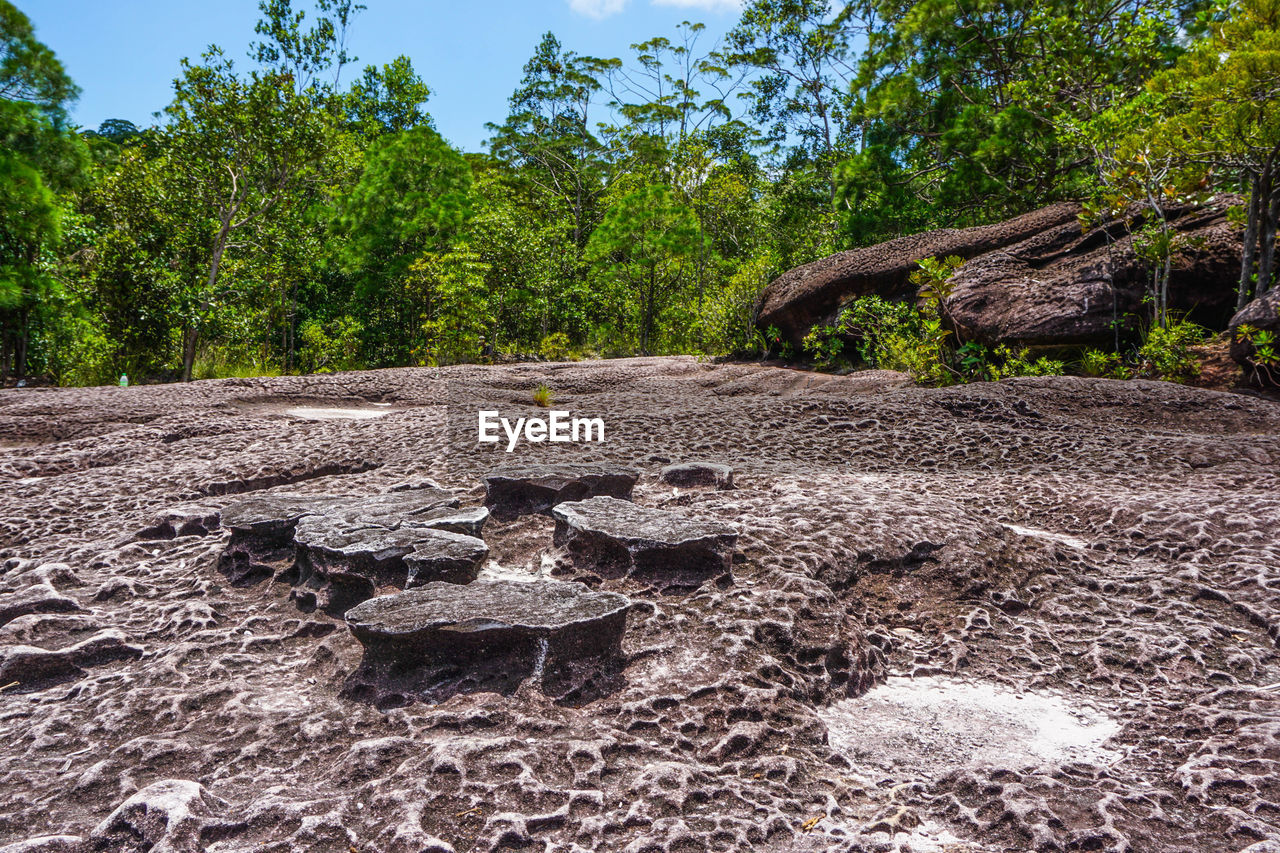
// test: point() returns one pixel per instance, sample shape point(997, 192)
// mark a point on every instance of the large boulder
point(801, 298)
point(442, 639)
point(1263, 314)
point(1069, 287)
point(613, 538)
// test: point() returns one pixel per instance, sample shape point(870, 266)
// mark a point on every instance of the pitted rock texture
point(1037, 280)
point(493, 636)
point(1263, 314)
point(537, 488)
point(1110, 543)
point(698, 474)
point(666, 549)
point(799, 299)
point(1068, 287)
point(341, 563)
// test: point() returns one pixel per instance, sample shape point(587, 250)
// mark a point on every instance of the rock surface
point(614, 538)
point(1067, 287)
point(1036, 280)
point(1262, 313)
point(698, 474)
point(1109, 543)
point(442, 639)
point(797, 300)
point(537, 488)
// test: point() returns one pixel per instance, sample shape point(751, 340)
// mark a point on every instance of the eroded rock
point(698, 474)
point(164, 817)
point(614, 538)
point(442, 639)
point(340, 563)
point(1262, 314)
point(34, 668)
point(537, 488)
point(262, 527)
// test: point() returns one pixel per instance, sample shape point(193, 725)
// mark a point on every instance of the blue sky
point(124, 53)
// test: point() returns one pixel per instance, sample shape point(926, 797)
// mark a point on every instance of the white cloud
point(705, 5)
point(597, 8)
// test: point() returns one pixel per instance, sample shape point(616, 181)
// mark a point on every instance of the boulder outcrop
point(1040, 279)
point(442, 639)
point(1067, 287)
point(801, 298)
point(687, 474)
point(614, 538)
point(1262, 314)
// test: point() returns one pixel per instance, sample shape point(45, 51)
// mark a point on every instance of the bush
point(544, 396)
point(324, 348)
point(555, 347)
point(1166, 351)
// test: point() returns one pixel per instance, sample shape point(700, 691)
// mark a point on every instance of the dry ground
point(1110, 551)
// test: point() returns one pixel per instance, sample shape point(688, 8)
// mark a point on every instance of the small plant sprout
point(544, 396)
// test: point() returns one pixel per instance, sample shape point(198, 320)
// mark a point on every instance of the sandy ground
point(1038, 614)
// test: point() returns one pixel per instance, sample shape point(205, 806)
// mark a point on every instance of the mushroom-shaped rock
point(442, 639)
point(262, 528)
point(698, 474)
point(190, 519)
point(340, 564)
point(614, 538)
point(469, 521)
point(537, 488)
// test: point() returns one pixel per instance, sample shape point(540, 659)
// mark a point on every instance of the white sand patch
point(925, 726)
point(1046, 535)
point(316, 413)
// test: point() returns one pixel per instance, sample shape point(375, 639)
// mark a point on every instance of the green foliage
point(328, 347)
point(1165, 352)
point(543, 396)
point(555, 347)
point(1264, 351)
point(1095, 362)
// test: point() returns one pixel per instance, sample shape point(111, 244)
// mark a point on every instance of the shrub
point(1265, 358)
point(1166, 351)
point(1095, 362)
point(544, 396)
point(555, 347)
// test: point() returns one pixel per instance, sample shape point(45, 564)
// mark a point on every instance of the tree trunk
point(20, 347)
point(1270, 209)
point(190, 336)
point(1250, 243)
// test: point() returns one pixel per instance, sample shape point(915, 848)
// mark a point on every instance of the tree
point(411, 200)
point(1222, 112)
point(388, 99)
point(645, 241)
point(239, 145)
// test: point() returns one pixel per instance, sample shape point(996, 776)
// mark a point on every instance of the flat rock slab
point(262, 527)
point(341, 563)
point(537, 488)
point(688, 474)
point(616, 538)
point(442, 639)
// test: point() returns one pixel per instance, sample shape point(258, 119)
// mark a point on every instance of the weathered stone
point(262, 527)
point(261, 543)
point(537, 488)
point(698, 474)
point(799, 299)
point(616, 538)
point(1068, 287)
point(441, 639)
point(1262, 314)
point(340, 564)
point(33, 668)
point(468, 521)
point(182, 520)
point(164, 817)
point(444, 556)
point(37, 598)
